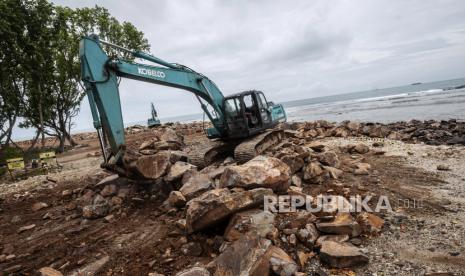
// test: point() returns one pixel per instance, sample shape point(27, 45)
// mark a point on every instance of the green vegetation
point(40, 70)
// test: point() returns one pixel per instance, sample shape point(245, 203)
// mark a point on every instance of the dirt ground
point(425, 234)
point(428, 232)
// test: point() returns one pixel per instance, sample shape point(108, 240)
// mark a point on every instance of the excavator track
point(257, 145)
point(206, 153)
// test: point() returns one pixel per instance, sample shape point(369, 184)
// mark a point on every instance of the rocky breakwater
point(451, 132)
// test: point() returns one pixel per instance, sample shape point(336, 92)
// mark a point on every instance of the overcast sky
point(290, 49)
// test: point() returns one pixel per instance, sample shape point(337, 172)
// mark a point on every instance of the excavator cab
point(249, 113)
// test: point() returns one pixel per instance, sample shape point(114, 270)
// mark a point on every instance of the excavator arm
point(100, 76)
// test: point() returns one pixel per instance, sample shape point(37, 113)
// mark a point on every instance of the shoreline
point(383, 129)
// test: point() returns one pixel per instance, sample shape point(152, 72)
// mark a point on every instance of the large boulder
point(329, 158)
point(353, 126)
point(166, 145)
point(281, 263)
point(333, 172)
point(177, 170)
point(260, 172)
point(259, 221)
point(177, 155)
point(361, 148)
point(171, 136)
point(146, 145)
point(316, 146)
point(378, 131)
point(196, 185)
point(370, 223)
point(213, 171)
point(342, 224)
point(215, 205)
point(308, 235)
point(314, 173)
point(340, 132)
point(362, 169)
point(295, 162)
point(153, 166)
point(341, 255)
point(176, 199)
point(250, 255)
point(335, 238)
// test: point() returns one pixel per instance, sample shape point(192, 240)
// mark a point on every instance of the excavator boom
point(237, 116)
point(153, 121)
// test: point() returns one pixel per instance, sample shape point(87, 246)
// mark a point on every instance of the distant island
point(416, 83)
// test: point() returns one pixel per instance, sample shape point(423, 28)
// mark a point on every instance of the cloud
point(290, 50)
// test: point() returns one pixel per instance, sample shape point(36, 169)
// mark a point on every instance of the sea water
point(440, 100)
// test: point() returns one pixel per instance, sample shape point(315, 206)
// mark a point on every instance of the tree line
point(40, 84)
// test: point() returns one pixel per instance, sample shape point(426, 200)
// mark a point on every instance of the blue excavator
point(243, 123)
point(153, 121)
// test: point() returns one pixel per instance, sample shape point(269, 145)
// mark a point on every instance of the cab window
point(233, 108)
point(262, 100)
point(248, 102)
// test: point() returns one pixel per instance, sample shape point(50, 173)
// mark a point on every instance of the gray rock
point(195, 185)
point(342, 224)
point(192, 249)
point(247, 256)
point(335, 238)
point(329, 158)
point(296, 181)
point(260, 172)
point(153, 166)
point(308, 235)
point(215, 205)
point(256, 220)
point(294, 162)
point(176, 199)
point(314, 173)
point(281, 263)
point(177, 171)
point(95, 211)
point(341, 255)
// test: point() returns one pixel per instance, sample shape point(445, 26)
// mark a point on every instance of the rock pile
point(430, 132)
point(213, 221)
point(182, 129)
point(227, 199)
